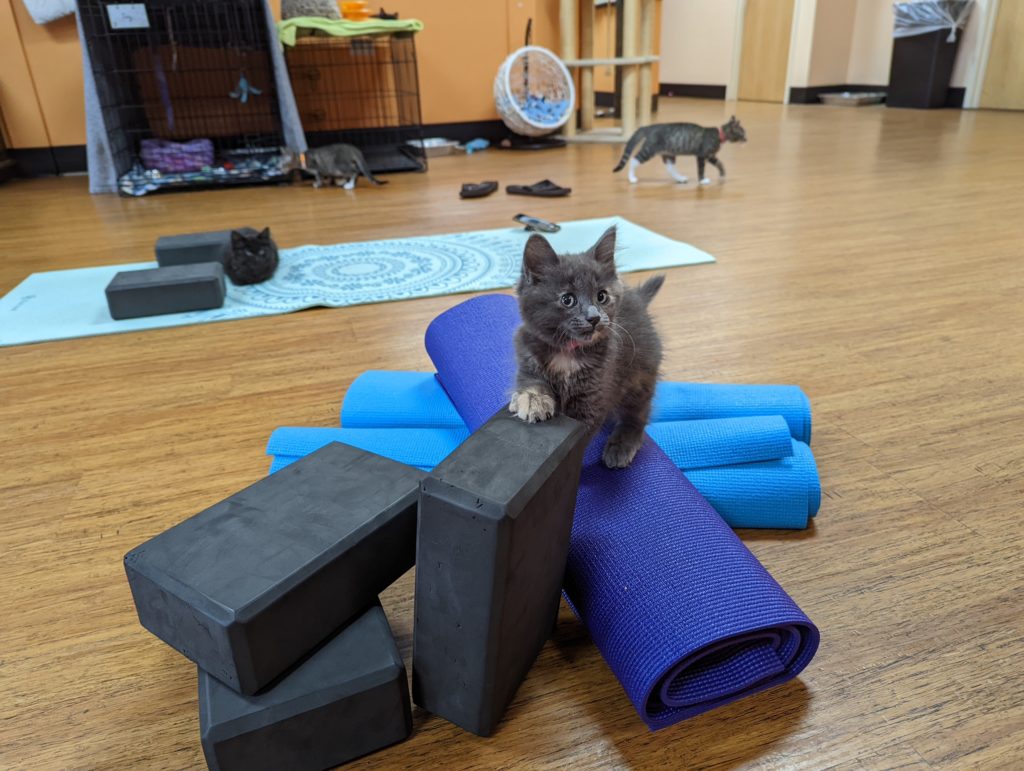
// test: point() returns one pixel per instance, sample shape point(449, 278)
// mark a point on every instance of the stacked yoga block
point(273, 593)
point(189, 277)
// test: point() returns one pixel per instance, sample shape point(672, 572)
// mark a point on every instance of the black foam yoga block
point(347, 699)
point(491, 548)
point(155, 291)
point(249, 586)
point(214, 246)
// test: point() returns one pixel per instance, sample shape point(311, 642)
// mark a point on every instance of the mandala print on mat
point(346, 274)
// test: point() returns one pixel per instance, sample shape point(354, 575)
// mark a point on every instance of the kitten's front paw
point(532, 405)
point(705, 181)
point(619, 453)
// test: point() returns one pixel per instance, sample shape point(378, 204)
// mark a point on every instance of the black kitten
point(587, 346)
point(253, 256)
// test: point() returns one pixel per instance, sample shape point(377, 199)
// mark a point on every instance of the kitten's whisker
point(615, 327)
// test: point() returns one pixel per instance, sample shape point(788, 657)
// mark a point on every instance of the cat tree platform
point(637, 60)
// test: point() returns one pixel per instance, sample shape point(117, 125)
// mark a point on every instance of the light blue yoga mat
point(65, 304)
point(381, 398)
point(420, 447)
point(690, 444)
point(775, 494)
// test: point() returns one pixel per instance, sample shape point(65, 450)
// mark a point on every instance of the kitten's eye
point(567, 299)
point(602, 297)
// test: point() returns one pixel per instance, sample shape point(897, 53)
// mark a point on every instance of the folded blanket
point(45, 11)
point(287, 30)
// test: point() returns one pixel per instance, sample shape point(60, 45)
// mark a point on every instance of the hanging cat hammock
point(534, 92)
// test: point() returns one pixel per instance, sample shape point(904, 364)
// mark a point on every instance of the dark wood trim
point(49, 161)
point(955, 97)
point(491, 130)
point(692, 89)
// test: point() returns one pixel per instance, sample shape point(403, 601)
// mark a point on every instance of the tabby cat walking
point(673, 139)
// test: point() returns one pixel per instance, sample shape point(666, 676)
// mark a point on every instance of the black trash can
point(924, 51)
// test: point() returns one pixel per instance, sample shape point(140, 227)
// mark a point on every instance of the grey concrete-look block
point(347, 699)
point(249, 586)
point(214, 246)
point(493, 538)
point(155, 291)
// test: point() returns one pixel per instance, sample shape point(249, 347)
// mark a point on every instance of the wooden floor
point(873, 256)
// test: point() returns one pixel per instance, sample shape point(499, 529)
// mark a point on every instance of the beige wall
point(697, 38)
point(830, 50)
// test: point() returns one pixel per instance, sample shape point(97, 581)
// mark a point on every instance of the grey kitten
point(671, 139)
point(325, 8)
point(339, 163)
point(587, 346)
point(253, 258)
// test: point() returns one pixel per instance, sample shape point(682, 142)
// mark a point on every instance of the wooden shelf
point(613, 61)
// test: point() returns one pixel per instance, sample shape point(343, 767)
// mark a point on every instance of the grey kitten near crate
point(673, 139)
point(339, 163)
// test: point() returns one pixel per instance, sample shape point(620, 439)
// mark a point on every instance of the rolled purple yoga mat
point(683, 613)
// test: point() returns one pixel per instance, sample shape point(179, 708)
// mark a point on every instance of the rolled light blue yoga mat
point(62, 304)
point(420, 447)
point(779, 493)
point(683, 613)
point(380, 398)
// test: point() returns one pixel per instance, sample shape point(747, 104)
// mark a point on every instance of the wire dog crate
point(362, 91)
point(187, 92)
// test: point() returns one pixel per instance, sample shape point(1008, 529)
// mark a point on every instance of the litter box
point(434, 146)
point(849, 99)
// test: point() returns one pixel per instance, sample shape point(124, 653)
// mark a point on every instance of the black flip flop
point(543, 189)
point(474, 190)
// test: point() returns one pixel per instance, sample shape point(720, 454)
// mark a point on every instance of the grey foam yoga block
point(250, 585)
point(347, 699)
point(491, 548)
point(214, 246)
point(155, 291)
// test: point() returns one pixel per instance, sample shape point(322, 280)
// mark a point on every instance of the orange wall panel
point(23, 124)
point(55, 59)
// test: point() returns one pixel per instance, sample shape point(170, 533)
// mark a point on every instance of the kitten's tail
point(365, 171)
point(630, 146)
point(650, 287)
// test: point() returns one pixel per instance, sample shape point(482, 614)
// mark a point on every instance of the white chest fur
point(563, 365)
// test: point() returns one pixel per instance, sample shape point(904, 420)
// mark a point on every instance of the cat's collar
point(721, 136)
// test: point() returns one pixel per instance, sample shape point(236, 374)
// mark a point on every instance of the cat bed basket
point(534, 92)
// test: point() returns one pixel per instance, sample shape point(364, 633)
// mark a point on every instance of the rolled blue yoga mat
point(379, 398)
point(782, 493)
point(683, 613)
point(420, 447)
point(779, 493)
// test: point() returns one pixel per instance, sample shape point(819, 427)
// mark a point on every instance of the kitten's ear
point(237, 239)
point(538, 256)
point(604, 249)
point(265, 234)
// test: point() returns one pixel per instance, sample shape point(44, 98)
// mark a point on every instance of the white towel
point(45, 11)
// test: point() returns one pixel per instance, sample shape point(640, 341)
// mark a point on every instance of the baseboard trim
point(491, 130)
point(693, 90)
point(810, 94)
point(49, 161)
